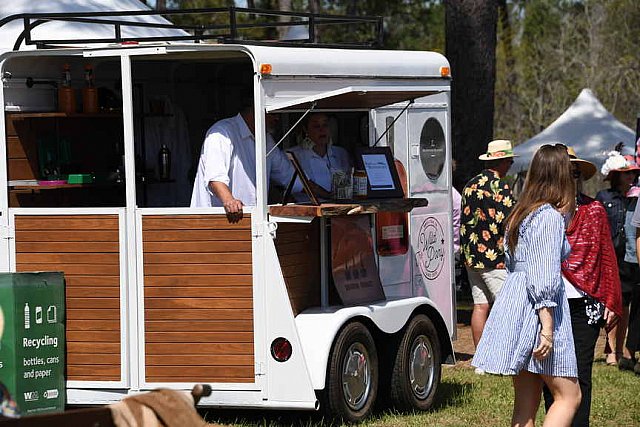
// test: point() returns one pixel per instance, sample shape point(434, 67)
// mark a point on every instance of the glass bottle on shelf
point(164, 163)
point(66, 94)
point(89, 92)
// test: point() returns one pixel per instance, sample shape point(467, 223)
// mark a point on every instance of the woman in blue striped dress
point(528, 333)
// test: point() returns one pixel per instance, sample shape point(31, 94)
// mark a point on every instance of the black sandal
point(626, 364)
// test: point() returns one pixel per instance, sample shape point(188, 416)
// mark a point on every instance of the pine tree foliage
point(546, 52)
point(560, 47)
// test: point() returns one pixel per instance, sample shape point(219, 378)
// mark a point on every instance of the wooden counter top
point(348, 208)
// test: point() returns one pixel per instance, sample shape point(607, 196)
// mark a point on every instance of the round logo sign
point(430, 254)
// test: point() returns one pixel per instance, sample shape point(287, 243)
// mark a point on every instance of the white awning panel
point(352, 97)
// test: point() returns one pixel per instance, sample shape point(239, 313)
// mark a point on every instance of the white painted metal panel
point(419, 182)
point(286, 381)
point(318, 328)
point(433, 262)
point(349, 62)
point(4, 193)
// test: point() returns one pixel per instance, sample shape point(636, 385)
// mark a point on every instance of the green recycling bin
point(32, 349)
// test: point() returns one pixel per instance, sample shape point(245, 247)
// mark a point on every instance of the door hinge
point(269, 227)
point(259, 369)
point(7, 233)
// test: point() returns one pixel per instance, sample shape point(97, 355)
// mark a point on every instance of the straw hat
point(587, 169)
point(498, 149)
point(616, 162)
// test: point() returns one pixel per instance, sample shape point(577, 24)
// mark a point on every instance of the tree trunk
point(507, 105)
point(314, 7)
point(471, 27)
point(284, 6)
point(161, 4)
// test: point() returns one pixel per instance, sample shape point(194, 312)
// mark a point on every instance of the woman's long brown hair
point(549, 180)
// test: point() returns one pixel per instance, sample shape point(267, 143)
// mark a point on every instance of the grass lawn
point(465, 399)
point(469, 400)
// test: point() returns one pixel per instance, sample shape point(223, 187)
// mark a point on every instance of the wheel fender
point(318, 327)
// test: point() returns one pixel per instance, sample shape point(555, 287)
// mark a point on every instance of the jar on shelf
point(359, 184)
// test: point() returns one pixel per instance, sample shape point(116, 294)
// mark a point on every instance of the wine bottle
point(89, 92)
point(66, 94)
point(164, 163)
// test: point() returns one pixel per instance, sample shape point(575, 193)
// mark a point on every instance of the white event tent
point(61, 30)
point(586, 126)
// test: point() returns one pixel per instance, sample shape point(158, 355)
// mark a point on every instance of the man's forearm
point(231, 205)
point(221, 190)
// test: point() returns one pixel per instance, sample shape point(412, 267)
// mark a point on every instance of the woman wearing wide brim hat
point(592, 291)
point(621, 172)
point(619, 166)
point(586, 168)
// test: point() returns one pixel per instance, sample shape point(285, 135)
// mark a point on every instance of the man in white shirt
point(226, 173)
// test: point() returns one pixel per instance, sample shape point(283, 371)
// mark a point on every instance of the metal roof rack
point(232, 30)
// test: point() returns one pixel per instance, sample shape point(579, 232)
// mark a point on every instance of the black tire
point(417, 367)
point(347, 396)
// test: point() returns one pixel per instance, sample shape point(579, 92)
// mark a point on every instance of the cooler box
point(32, 349)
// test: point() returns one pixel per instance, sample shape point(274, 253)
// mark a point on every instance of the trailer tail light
point(445, 72)
point(281, 349)
point(265, 68)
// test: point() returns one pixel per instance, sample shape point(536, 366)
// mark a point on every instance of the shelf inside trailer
point(45, 146)
point(61, 114)
point(348, 207)
point(38, 187)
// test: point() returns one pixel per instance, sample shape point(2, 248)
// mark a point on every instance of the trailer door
point(76, 225)
point(431, 227)
point(194, 270)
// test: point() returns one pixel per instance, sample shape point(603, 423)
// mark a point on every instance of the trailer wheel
point(416, 370)
point(352, 375)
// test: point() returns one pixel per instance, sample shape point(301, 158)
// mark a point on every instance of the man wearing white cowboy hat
point(486, 202)
point(591, 282)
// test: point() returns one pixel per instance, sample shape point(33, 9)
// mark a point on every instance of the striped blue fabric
point(533, 281)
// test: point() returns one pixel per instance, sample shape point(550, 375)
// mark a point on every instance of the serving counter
point(348, 208)
point(344, 246)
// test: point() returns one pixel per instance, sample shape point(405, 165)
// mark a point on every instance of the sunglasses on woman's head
point(554, 145)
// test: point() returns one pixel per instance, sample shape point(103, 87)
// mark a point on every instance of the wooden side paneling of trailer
point(198, 299)
point(298, 249)
point(86, 249)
